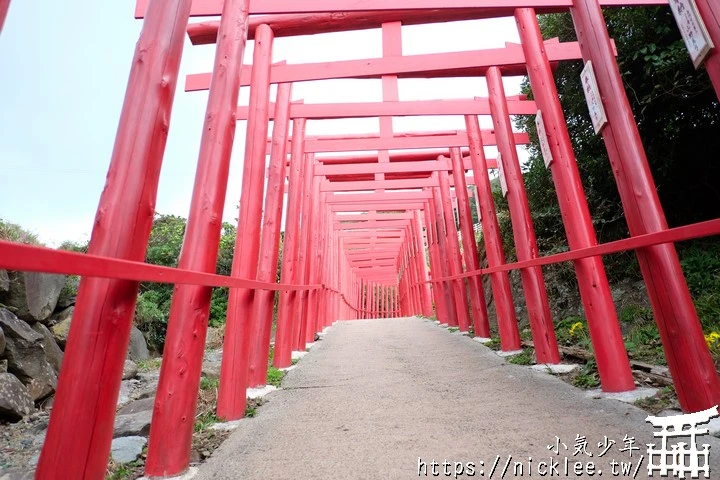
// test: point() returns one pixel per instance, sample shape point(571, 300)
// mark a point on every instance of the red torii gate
point(325, 255)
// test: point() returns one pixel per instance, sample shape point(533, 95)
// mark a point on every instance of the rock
point(142, 405)
point(127, 449)
point(2, 342)
point(3, 365)
point(61, 325)
point(138, 350)
point(53, 353)
point(124, 395)
point(26, 356)
point(35, 295)
point(133, 424)
point(214, 338)
point(68, 293)
point(211, 370)
point(130, 370)
point(16, 474)
point(15, 401)
point(4, 281)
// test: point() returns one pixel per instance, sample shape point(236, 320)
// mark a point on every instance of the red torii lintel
point(500, 8)
point(509, 59)
point(324, 111)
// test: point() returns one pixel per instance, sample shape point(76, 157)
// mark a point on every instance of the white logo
point(683, 457)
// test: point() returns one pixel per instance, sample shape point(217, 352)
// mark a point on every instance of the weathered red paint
point(541, 325)
point(697, 383)
point(81, 424)
point(500, 282)
point(261, 316)
point(453, 253)
point(176, 399)
point(236, 345)
point(481, 324)
point(603, 325)
point(282, 355)
point(509, 59)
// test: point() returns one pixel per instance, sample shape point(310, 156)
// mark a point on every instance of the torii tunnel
point(360, 229)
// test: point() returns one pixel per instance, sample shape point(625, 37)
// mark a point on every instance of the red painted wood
point(282, 356)
point(205, 8)
point(372, 224)
point(409, 156)
point(421, 266)
point(697, 383)
point(322, 111)
point(541, 325)
point(603, 325)
point(4, 7)
point(402, 205)
point(387, 198)
point(453, 253)
point(510, 60)
point(500, 283)
point(176, 399)
point(81, 424)
point(481, 324)
point(443, 301)
point(399, 143)
point(310, 212)
point(367, 217)
point(262, 311)
point(306, 206)
point(236, 345)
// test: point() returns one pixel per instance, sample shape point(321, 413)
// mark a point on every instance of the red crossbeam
point(510, 60)
point(499, 8)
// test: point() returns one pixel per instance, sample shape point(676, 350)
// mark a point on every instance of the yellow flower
point(711, 338)
point(577, 326)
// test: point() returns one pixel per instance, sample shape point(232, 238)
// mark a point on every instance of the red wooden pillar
point(436, 210)
point(608, 345)
point(176, 398)
point(425, 294)
point(282, 355)
point(236, 346)
point(689, 360)
point(481, 324)
point(317, 271)
point(710, 13)
point(4, 7)
point(81, 425)
point(442, 303)
point(458, 285)
point(262, 309)
point(313, 264)
point(543, 330)
point(499, 281)
point(298, 332)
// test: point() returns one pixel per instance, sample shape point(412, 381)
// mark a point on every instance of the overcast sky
point(64, 73)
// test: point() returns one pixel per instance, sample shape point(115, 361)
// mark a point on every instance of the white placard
point(501, 174)
point(543, 139)
point(592, 97)
point(696, 37)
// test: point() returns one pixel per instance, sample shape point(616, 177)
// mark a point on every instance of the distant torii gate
point(324, 276)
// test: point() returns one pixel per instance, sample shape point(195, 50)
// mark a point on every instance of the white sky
point(64, 72)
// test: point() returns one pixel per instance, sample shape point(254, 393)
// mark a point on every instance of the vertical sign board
point(501, 174)
point(592, 97)
point(696, 37)
point(543, 139)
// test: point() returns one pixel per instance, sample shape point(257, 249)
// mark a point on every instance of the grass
point(124, 471)
point(209, 383)
point(149, 364)
point(275, 377)
point(587, 377)
point(453, 329)
point(493, 344)
point(665, 399)
point(295, 361)
point(524, 358)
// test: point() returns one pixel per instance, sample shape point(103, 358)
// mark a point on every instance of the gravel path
point(374, 396)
